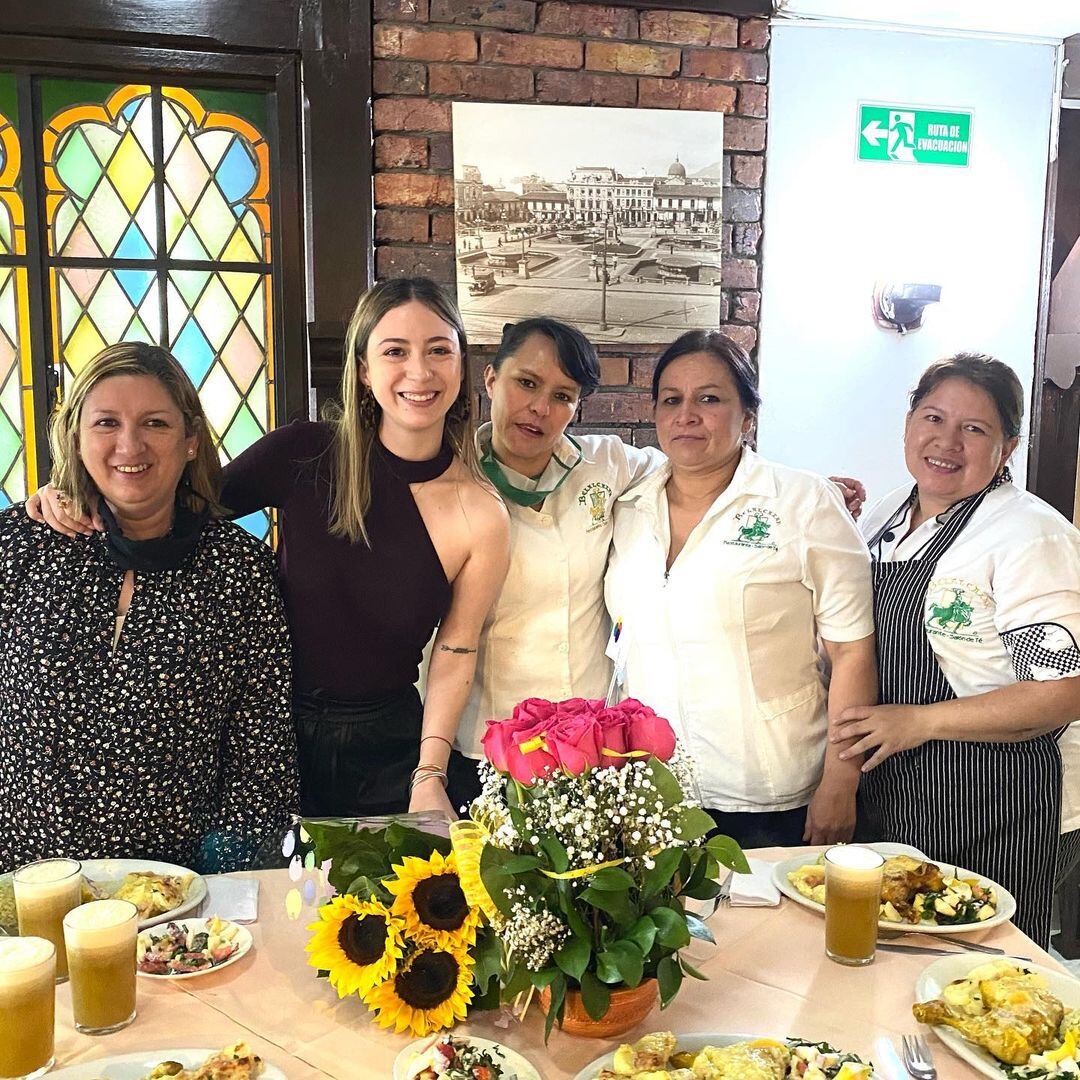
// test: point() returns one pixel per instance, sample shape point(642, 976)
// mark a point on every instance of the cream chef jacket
point(724, 644)
point(1004, 602)
point(546, 634)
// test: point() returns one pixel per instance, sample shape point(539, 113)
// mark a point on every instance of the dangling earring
point(368, 409)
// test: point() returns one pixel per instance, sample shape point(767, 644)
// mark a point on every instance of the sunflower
point(429, 897)
point(357, 941)
point(430, 991)
point(469, 838)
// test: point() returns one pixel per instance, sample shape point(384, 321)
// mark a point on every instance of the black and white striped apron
point(993, 808)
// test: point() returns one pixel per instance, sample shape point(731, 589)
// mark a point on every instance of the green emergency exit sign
point(921, 136)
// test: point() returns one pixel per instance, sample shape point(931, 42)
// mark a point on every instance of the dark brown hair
point(996, 378)
point(721, 348)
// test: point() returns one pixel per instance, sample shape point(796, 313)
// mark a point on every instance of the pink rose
point(613, 731)
point(517, 746)
point(576, 742)
point(577, 706)
point(647, 731)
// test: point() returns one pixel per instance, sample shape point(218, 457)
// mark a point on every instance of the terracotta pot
point(629, 1006)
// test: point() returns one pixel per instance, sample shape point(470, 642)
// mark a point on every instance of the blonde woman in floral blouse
point(144, 671)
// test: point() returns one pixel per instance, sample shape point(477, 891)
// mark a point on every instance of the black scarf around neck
point(160, 553)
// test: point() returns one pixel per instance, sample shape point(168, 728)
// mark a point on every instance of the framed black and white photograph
point(608, 218)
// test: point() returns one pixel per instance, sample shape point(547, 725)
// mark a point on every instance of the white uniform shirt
point(546, 634)
point(724, 644)
point(1004, 602)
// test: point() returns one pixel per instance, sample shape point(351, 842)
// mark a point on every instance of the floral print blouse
point(177, 745)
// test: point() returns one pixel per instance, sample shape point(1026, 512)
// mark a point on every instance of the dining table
point(767, 975)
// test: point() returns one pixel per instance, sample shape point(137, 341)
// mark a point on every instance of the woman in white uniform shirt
point(725, 570)
point(546, 634)
point(977, 604)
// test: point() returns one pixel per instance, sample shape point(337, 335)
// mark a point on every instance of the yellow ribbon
point(582, 871)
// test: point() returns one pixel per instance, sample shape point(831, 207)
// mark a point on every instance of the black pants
point(463, 783)
point(356, 757)
point(770, 828)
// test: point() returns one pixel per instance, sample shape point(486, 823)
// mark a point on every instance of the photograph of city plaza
point(610, 218)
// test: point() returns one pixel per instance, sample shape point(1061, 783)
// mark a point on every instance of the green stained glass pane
point(9, 96)
point(214, 222)
point(188, 247)
point(77, 166)
point(13, 463)
point(244, 431)
point(173, 124)
point(255, 315)
point(101, 139)
point(111, 309)
point(175, 218)
point(10, 444)
point(70, 306)
point(60, 94)
point(251, 106)
point(63, 223)
point(257, 403)
point(190, 284)
point(138, 331)
point(216, 313)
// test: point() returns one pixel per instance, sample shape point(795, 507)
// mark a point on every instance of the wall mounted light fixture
point(900, 307)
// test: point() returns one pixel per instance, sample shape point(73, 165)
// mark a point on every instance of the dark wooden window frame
point(315, 56)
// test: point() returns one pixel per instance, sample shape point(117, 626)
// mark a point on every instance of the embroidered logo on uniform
point(951, 605)
point(595, 498)
point(755, 526)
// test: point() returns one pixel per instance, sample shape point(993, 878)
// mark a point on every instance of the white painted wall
point(834, 384)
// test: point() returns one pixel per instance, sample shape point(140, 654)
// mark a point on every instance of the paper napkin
point(233, 898)
point(755, 889)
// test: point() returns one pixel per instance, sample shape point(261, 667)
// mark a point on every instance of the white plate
point(515, 1063)
point(108, 873)
point(940, 973)
point(243, 940)
point(1006, 904)
point(136, 1066)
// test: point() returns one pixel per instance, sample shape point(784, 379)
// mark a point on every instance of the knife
point(923, 950)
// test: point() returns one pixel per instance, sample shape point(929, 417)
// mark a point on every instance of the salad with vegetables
point(181, 951)
point(457, 1059)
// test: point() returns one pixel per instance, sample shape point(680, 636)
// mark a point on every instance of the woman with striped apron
point(969, 776)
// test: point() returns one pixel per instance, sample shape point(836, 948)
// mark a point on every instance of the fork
point(724, 895)
point(917, 1059)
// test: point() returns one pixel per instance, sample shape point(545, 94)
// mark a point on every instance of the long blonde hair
point(200, 484)
point(356, 419)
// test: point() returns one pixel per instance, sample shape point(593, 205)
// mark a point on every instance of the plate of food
point(1008, 1018)
point(235, 1062)
point(716, 1056)
point(461, 1057)
point(917, 894)
point(161, 891)
point(191, 947)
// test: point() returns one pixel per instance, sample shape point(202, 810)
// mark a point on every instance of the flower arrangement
point(400, 933)
point(583, 847)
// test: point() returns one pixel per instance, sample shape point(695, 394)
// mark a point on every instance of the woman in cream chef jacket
point(725, 570)
point(546, 634)
point(977, 603)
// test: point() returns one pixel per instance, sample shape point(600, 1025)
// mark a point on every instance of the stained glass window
point(158, 219)
point(17, 449)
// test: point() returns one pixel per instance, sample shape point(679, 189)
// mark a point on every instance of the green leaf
point(495, 880)
point(698, 928)
point(606, 969)
point(705, 890)
point(665, 783)
point(574, 918)
point(557, 1004)
point(488, 959)
point(573, 957)
point(659, 877)
point(727, 853)
point(488, 1000)
point(595, 996)
point(367, 888)
point(671, 931)
point(669, 978)
point(629, 960)
point(643, 934)
point(519, 980)
point(693, 823)
point(692, 971)
point(403, 841)
point(611, 879)
point(615, 904)
point(545, 977)
point(519, 864)
point(517, 819)
point(556, 854)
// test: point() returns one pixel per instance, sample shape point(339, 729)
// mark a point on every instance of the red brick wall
point(431, 52)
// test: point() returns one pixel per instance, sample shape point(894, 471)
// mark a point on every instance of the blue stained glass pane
point(131, 108)
point(134, 245)
point(236, 173)
point(135, 283)
point(5, 502)
point(256, 524)
point(194, 352)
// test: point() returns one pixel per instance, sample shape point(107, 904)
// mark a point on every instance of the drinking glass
point(852, 902)
point(45, 891)
point(101, 939)
point(27, 1006)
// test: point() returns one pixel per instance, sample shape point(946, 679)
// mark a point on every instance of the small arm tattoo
point(455, 649)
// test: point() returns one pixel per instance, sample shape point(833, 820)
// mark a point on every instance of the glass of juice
point(852, 903)
point(27, 1006)
point(45, 891)
point(100, 938)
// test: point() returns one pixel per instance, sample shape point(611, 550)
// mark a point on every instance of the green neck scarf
point(493, 471)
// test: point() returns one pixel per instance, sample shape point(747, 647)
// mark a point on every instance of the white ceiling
point(1034, 18)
